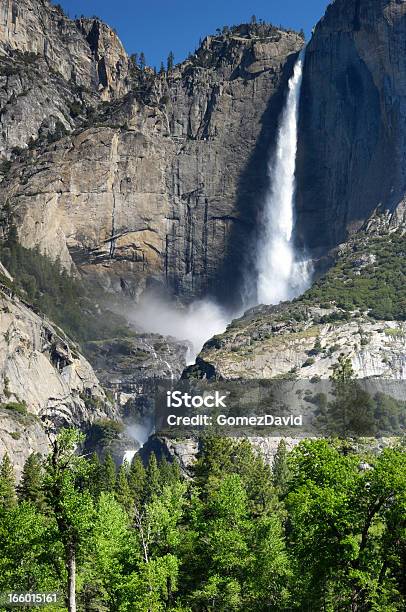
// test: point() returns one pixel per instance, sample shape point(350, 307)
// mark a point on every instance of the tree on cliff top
point(171, 61)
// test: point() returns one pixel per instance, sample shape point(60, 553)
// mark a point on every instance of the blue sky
point(159, 26)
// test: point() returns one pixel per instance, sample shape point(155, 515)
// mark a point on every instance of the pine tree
point(122, 490)
point(136, 480)
point(31, 485)
point(162, 68)
point(96, 476)
point(253, 20)
point(171, 61)
point(142, 63)
point(280, 468)
point(343, 371)
point(169, 472)
point(109, 474)
point(153, 478)
point(8, 498)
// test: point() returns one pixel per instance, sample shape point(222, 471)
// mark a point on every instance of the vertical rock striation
point(352, 133)
point(165, 184)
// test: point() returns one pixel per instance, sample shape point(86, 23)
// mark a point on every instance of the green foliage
point(62, 297)
point(123, 491)
point(171, 61)
point(109, 474)
point(369, 276)
point(31, 486)
point(280, 468)
point(342, 529)
point(29, 551)
point(7, 484)
point(20, 407)
point(103, 432)
point(137, 480)
point(153, 479)
point(324, 531)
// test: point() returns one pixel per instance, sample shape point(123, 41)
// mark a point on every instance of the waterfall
point(129, 456)
point(281, 274)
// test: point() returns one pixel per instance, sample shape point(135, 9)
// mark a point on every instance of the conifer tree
point(122, 490)
point(136, 480)
point(8, 497)
point(109, 474)
point(171, 61)
point(96, 476)
point(169, 472)
point(280, 468)
point(153, 478)
point(31, 485)
point(142, 63)
point(70, 503)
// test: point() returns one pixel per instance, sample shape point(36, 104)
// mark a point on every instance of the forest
point(323, 529)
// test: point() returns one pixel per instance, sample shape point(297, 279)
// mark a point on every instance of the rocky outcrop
point(44, 381)
point(356, 310)
point(53, 70)
point(122, 364)
point(185, 451)
point(21, 435)
point(166, 184)
point(269, 342)
point(352, 120)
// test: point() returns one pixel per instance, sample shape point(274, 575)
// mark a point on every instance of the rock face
point(21, 435)
point(186, 451)
point(352, 128)
point(44, 381)
point(269, 343)
point(52, 70)
point(123, 364)
point(165, 185)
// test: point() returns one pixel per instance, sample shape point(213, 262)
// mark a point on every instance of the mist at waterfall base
point(194, 323)
point(282, 274)
point(139, 432)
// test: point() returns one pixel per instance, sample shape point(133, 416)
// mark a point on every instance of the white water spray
point(280, 274)
point(129, 456)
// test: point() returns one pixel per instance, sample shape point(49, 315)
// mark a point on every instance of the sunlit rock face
point(352, 131)
point(45, 383)
point(164, 186)
point(53, 69)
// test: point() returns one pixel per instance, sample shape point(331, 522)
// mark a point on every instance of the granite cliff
point(352, 120)
point(136, 180)
point(357, 309)
point(53, 71)
point(45, 382)
point(154, 186)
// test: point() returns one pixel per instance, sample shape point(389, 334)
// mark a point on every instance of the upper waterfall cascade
point(281, 273)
